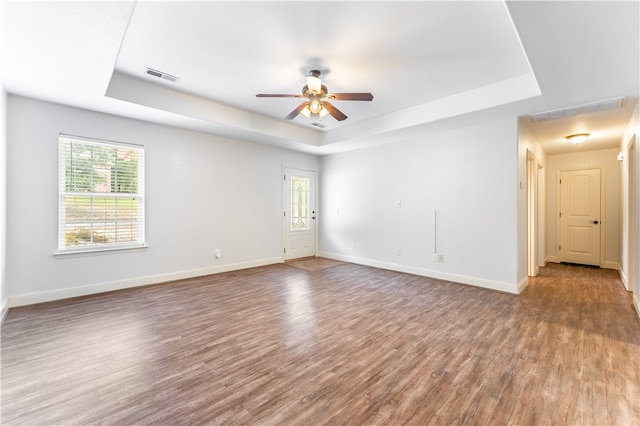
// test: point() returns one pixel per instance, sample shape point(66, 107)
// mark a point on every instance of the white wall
point(3, 189)
point(630, 244)
point(3, 202)
point(202, 193)
point(528, 143)
point(468, 175)
point(607, 160)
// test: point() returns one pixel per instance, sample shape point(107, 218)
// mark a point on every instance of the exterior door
point(580, 220)
point(299, 213)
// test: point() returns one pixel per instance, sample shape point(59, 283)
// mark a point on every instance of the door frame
point(602, 209)
point(633, 209)
point(283, 208)
point(532, 214)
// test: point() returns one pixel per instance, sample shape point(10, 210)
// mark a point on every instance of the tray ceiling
point(424, 62)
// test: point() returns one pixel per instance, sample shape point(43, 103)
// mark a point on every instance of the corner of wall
point(523, 284)
point(3, 202)
point(623, 278)
point(3, 194)
point(530, 149)
point(629, 244)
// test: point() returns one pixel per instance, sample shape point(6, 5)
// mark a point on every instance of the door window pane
point(300, 203)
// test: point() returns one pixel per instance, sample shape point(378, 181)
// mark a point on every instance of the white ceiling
point(425, 62)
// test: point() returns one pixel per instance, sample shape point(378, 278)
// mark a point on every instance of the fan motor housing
point(308, 93)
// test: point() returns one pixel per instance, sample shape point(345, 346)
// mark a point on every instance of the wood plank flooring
point(345, 344)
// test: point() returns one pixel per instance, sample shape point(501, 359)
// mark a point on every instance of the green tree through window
point(101, 194)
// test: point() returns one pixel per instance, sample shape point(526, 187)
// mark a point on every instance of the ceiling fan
point(317, 104)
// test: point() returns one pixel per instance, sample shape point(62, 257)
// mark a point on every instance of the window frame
point(63, 193)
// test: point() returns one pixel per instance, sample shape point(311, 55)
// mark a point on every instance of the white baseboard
point(3, 310)
point(611, 265)
point(523, 284)
point(65, 293)
point(462, 279)
point(623, 278)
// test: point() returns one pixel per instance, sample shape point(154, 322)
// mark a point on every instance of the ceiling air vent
point(162, 75)
point(318, 124)
point(606, 105)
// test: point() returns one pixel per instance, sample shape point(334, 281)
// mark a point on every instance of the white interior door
point(580, 220)
point(299, 213)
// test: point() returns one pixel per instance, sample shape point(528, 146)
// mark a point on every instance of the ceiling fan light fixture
point(314, 84)
point(577, 138)
point(315, 105)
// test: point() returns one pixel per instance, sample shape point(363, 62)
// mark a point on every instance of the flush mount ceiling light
point(577, 138)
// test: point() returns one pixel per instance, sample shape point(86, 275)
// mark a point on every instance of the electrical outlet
point(434, 257)
point(398, 204)
point(353, 246)
point(398, 252)
point(440, 258)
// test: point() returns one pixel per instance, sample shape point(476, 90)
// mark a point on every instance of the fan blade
point(296, 111)
point(335, 112)
point(278, 95)
point(350, 96)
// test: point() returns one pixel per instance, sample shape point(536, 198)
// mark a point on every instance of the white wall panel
point(3, 201)
point(467, 175)
point(527, 142)
point(630, 244)
point(202, 193)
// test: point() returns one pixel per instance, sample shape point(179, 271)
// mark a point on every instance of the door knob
point(595, 222)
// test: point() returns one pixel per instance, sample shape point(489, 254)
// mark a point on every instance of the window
point(101, 196)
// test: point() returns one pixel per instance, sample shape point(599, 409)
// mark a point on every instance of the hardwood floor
point(343, 344)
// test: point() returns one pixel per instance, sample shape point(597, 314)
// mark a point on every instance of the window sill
point(98, 251)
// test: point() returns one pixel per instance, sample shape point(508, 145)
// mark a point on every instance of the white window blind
point(101, 194)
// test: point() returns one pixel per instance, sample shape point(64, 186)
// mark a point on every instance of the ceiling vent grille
point(607, 105)
point(162, 75)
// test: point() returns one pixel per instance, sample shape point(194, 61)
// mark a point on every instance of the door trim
point(633, 209)
point(283, 207)
point(532, 215)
